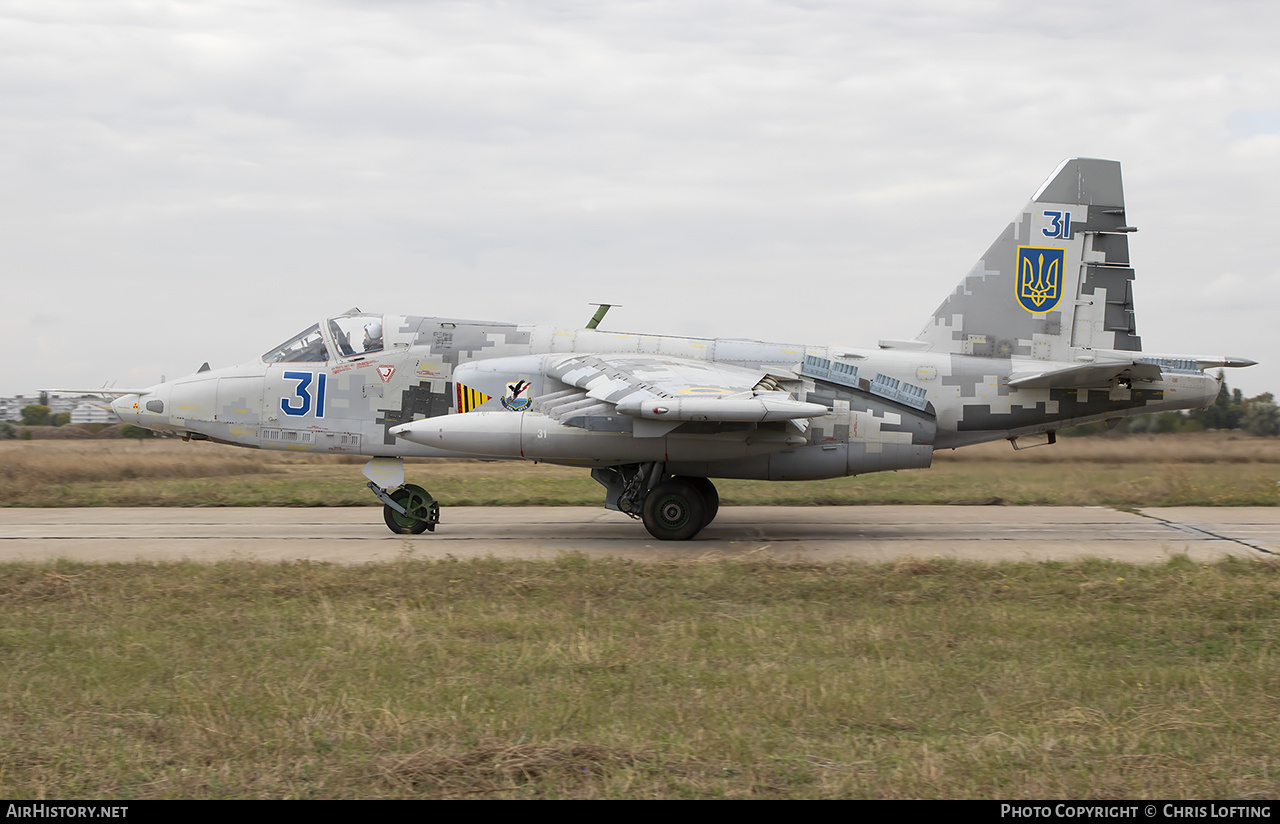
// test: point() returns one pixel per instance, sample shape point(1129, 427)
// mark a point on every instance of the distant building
point(11, 408)
point(91, 412)
point(82, 410)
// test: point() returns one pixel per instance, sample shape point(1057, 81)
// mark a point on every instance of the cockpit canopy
point(356, 334)
point(305, 346)
point(353, 335)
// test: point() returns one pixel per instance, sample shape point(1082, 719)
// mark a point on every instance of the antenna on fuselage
point(600, 313)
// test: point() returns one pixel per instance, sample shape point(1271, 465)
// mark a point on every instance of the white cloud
point(191, 181)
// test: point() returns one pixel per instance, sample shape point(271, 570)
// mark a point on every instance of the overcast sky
point(192, 181)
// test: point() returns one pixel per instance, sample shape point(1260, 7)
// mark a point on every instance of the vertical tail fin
point(1056, 279)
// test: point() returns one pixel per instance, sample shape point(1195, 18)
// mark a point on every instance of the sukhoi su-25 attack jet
point(1038, 336)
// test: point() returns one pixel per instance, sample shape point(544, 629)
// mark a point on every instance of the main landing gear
point(673, 508)
point(408, 509)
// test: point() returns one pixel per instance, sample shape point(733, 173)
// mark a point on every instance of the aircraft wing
point(616, 377)
point(663, 390)
point(666, 388)
point(106, 392)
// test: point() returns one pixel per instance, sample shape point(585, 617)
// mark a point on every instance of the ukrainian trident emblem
point(1039, 280)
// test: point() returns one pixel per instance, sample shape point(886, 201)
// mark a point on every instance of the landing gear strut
point(407, 508)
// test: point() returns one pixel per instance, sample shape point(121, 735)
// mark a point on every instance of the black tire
point(674, 510)
point(416, 501)
point(710, 497)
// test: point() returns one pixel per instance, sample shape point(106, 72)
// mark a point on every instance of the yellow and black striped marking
point(469, 398)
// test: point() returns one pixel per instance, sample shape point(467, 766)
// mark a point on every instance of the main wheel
point(709, 496)
point(421, 511)
point(674, 511)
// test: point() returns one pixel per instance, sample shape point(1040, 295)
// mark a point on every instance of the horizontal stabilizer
point(1085, 375)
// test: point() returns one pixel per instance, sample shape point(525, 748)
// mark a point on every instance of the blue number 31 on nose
point(303, 393)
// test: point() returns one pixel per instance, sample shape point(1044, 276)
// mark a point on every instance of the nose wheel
point(408, 509)
point(421, 511)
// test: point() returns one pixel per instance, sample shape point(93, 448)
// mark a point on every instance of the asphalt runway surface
point(813, 534)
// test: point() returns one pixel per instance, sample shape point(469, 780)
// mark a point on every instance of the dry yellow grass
point(577, 678)
point(29, 465)
point(1129, 470)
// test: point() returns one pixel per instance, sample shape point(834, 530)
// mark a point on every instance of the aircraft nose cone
point(126, 407)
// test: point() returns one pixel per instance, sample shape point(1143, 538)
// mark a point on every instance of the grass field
point(587, 679)
point(1128, 471)
point(608, 679)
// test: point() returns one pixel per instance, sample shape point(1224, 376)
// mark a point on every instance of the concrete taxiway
point(814, 534)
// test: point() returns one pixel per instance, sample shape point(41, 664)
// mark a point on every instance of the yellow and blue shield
point(1039, 282)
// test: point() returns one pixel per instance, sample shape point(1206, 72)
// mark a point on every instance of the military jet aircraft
point(1040, 335)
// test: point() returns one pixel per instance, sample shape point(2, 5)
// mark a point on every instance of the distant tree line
point(37, 414)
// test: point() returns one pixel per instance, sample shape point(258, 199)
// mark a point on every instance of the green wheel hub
point(421, 511)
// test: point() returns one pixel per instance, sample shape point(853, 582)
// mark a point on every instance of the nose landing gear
point(408, 509)
point(417, 511)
